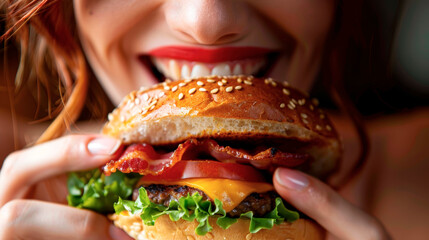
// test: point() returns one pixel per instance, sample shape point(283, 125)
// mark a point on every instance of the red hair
point(51, 56)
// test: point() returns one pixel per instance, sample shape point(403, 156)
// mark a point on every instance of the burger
point(199, 157)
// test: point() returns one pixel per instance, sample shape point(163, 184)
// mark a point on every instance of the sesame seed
point(110, 117)
point(122, 119)
point(286, 84)
point(188, 80)
point(274, 84)
point(266, 81)
point(145, 97)
point(318, 128)
point(192, 90)
point(211, 80)
point(282, 105)
point(247, 82)
point(174, 89)
point(290, 106)
point(328, 128)
point(154, 102)
point(301, 102)
point(238, 87)
point(224, 81)
point(239, 80)
point(229, 89)
point(202, 90)
point(322, 116)
point(286, 91)
point(294, 101)
point(168, 80)
point(182, 84)
point(161, 94)
point(166, 88)
point(137, 101)
point(220, 84)
point(311, 107)
point(305, 121)
point(214, 90)
point(151, 107)
point(199, 83)
point(181, 96)
point(303, 115)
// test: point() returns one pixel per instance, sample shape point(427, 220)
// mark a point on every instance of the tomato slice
point(208, 169)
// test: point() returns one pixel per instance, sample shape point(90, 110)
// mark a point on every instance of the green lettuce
point(106, 194)
point(95, 191)
point(193, 207)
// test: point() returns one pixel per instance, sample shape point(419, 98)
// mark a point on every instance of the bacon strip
point(142, 158)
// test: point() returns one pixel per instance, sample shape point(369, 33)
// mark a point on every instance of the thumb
point(320, 202)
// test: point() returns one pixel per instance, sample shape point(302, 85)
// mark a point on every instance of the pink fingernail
point(103, 146)
point(291, 179)
point(116, 233)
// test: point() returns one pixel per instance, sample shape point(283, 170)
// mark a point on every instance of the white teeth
point(186, 72)
point(177, 69)
point(159, 66)
point(174, 69)
point(221, 70)
point(199, 70)
point(237, 70)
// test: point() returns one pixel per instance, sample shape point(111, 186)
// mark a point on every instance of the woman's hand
point(39, 173)
point(321, 203)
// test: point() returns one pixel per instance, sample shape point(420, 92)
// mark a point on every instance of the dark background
point(393, 72)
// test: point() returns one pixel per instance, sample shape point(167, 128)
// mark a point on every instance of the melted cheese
point(230, 192)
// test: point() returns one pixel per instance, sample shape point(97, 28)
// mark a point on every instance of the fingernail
point(103, 145)
point(117, 234)
point(291, 179)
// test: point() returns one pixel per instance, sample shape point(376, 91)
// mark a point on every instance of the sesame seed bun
point(234, 108)
point(164, 228)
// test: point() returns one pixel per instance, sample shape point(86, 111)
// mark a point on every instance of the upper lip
point(210, 55)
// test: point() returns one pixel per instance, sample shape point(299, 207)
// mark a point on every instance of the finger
point(70, 153)
point(324, 205)
point(31, 219)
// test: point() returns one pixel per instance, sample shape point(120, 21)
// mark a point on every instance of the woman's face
point(132, 43)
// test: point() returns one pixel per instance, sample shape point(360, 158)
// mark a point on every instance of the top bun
point(227, 108)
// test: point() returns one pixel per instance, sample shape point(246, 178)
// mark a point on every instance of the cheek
point(102, 26)
point(307, 22)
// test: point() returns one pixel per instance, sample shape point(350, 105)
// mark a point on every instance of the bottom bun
point(166, 229)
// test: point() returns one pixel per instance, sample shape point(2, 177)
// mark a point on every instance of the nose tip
point(208, 21)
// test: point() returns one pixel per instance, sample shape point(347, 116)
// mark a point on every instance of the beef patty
point(258, 203)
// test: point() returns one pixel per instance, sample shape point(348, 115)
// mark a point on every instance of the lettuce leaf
point(95, 191)
point(105, 194)
point(193, 207)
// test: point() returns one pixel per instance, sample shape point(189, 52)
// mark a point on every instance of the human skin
point(114, 35)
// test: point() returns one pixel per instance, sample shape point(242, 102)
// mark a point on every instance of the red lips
point(214, 55)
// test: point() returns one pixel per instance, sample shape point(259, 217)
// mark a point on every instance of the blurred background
point(394, 69)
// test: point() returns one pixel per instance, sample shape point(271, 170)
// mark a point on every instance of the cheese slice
point(229, 192)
